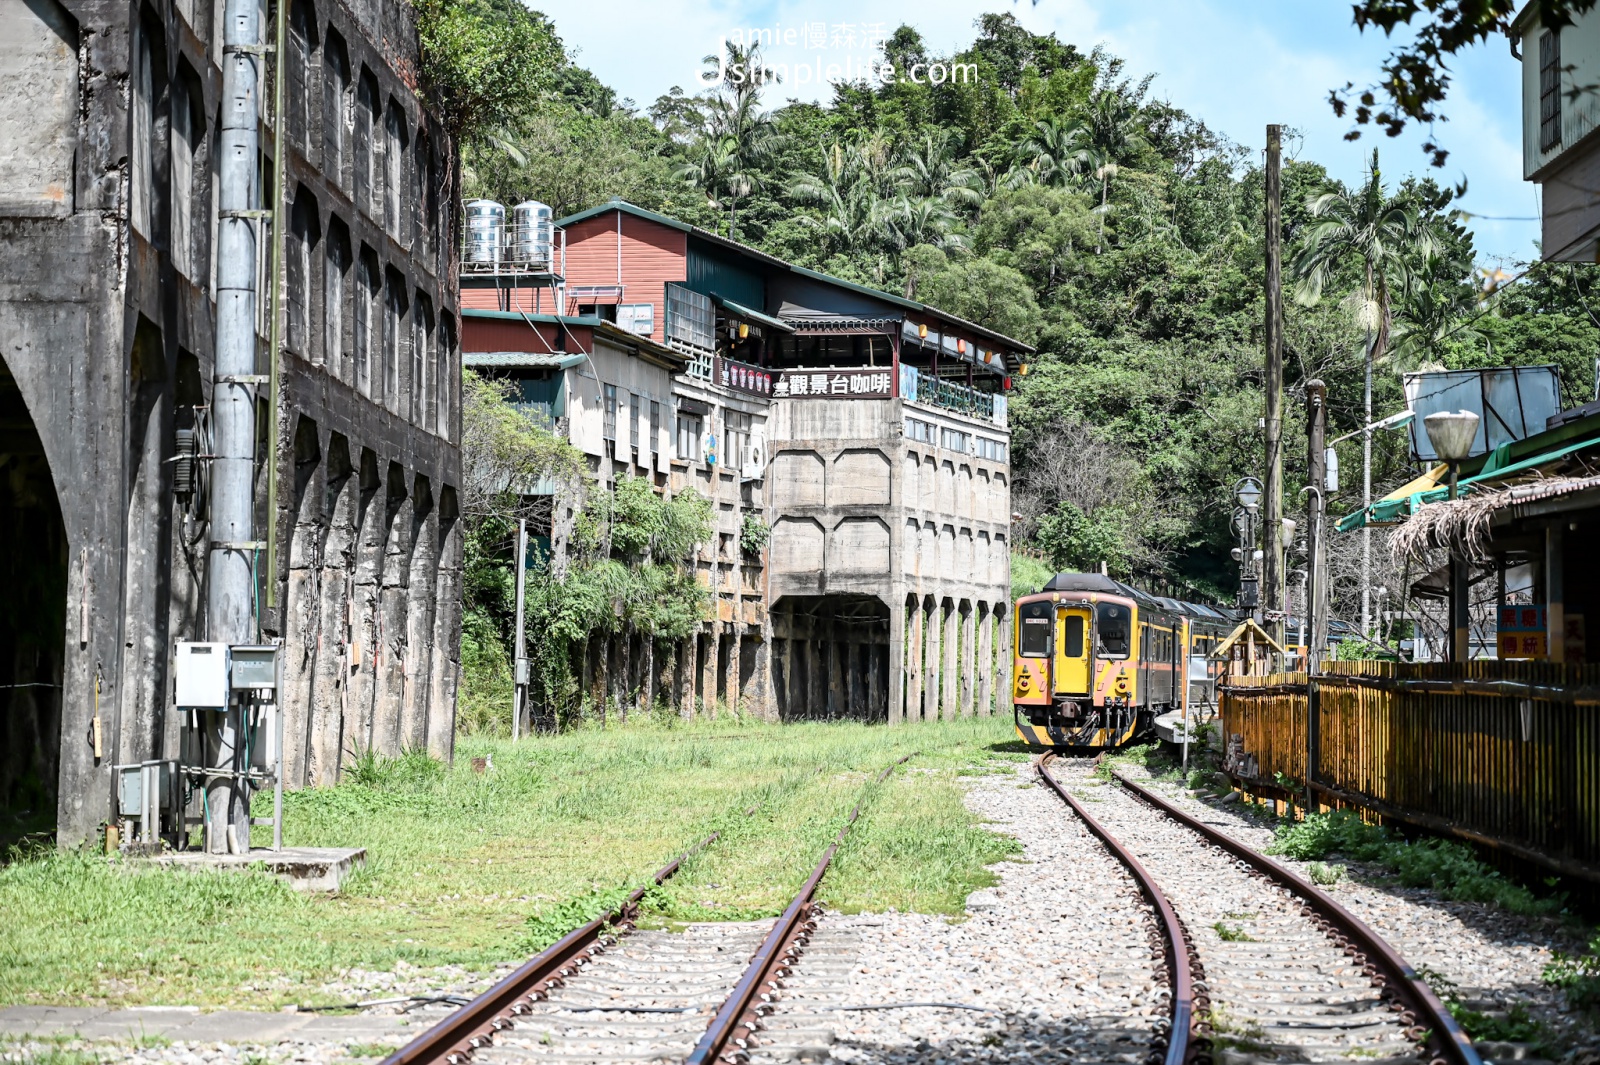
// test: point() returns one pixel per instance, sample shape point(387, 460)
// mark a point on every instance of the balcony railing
point(925, 388)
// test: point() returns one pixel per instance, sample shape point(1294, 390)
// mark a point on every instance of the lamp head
point(1451, 433)
point(1248, 492)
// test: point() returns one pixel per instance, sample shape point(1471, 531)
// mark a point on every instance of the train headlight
point(1022, 681)
point(1122, 684)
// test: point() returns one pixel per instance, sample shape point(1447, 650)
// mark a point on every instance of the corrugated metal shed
point(520, 360)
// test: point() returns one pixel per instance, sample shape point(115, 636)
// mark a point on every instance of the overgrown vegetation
point(1056, 199)
point(473, 868)
point(1447, 867)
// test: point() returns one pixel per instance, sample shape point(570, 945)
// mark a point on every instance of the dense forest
point(1054, 198)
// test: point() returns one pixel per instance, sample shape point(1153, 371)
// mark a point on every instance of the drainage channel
point(607, 993)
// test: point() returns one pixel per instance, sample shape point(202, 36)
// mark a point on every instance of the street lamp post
point(1247, 492)
point(1452, 433)
point(1394, 421)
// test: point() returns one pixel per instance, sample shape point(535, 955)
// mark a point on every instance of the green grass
point(1028, 574)
point(474, 869)
point(1448, 867)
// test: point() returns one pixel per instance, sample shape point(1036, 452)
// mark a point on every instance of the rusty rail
point(740, 1014)
point(1446, 1039)
point(472, 1027)
point(1182, 964)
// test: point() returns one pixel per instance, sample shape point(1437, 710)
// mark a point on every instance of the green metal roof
point(521, 360)
point(741, 311)
point(772, 260)
point(541, 319)
point(1389, 511)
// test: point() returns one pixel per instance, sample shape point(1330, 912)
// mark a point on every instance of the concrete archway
point(33, 570)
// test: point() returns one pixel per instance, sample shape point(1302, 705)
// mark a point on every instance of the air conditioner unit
point(755, 459)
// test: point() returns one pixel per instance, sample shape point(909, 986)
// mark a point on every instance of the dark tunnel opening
point(33, 570)
point(830, 657)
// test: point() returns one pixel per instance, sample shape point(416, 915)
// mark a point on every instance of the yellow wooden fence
point(1502, 753)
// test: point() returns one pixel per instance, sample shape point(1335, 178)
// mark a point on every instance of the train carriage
point(1097, 661)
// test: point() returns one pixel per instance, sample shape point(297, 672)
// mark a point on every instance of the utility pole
point(519, 700)
point(1272, 576)
point(1316, 510)
point(230, 574)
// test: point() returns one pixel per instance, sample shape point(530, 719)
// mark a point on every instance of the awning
point(739, 310)
point(1408, 499)
point(521, 360)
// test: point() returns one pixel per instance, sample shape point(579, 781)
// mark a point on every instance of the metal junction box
point(255, 667)
point(202, 675)
point(131, 783)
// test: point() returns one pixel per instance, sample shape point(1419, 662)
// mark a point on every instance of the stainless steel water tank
point(532, 229)
point(486, 228)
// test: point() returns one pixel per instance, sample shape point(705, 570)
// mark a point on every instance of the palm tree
point(850, 193)
point(1058, 152)
point(1384, 237)
point(1114, 133)
point(726, 161)
point(930, 170)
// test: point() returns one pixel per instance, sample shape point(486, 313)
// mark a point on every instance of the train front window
point(1115, 626)
point(1072, 636)
point(1034, 639)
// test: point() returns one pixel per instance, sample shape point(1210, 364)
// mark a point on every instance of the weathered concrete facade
point(890, 560)
point(865, 431)
point(106, 329)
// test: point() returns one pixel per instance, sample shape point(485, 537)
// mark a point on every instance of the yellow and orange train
point(1097, 661)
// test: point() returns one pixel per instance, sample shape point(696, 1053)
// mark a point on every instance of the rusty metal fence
point(1500, 753)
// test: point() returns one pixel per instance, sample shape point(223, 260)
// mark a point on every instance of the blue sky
point(1237, 65)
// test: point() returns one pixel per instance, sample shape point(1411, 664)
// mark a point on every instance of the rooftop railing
point(920, 387)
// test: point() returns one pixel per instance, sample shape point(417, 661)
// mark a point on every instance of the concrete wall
point(860, 512)
point(106, 325)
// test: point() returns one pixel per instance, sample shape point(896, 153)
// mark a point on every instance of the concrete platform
point(189, 1024)
point(302, 868)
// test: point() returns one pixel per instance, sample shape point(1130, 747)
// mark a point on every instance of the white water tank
point(486, 228)
point(532, 232)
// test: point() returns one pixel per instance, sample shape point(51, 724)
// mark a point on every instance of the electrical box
point(131, 780)
point(522, 671)
point(255, 667)
point(202, 675)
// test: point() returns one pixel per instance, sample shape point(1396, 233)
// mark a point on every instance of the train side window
point(1033, 641)
point(1116, 629)
point(1072, 636)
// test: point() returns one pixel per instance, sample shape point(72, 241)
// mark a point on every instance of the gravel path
point(1489, 958)
point(1059, 956)
point(1281, 989)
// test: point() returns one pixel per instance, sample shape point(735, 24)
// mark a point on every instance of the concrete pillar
point(931, 651)
point(301, 602)
point(1002, 658)
point(967, 660)
point(331, 669)
point(708, 670)
point(421, 597)
point(949, 690)
point(360, 735)
point(595, 657)
point(783, 676)
point(899, 651)
point(393, 607)
point(649, 689)
point(444, 665)
point(985, 670)
point(683, 676)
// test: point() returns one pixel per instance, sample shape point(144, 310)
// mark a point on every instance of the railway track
point(1285, 974)
point(607, 993)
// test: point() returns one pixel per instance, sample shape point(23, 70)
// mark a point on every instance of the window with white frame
point(736, 427)
point(638, 318)
point(690, 427)
point(951, 440)
point(608, 424)
point(993, 450)
point(920, 431)
point(633, 420)
point(655, 428)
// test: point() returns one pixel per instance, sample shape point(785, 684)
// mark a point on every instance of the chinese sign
point(1522, 632)
point(864, 382)
point(742, 377)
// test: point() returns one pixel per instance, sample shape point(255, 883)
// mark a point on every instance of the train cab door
point(1072, 671)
